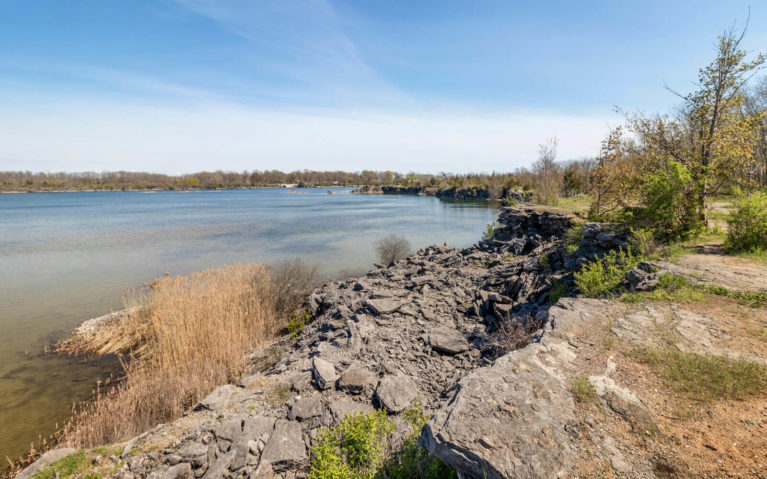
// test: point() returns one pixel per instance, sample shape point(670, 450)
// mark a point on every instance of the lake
point(67, 257)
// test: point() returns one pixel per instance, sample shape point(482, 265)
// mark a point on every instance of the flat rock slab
point(383, 306)
point(396, 392)
point(346, 406)
point(448, 341)
point(219, 399)
point(307, 407)
point(324, 373)
point(285, 448)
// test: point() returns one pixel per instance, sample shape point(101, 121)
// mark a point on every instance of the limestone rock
point(307, 407)
point(285, 448)
point(396, 392)
point(448, 341)
point(218, 399)
point(45, 460)
point(356, 379)
point(324, 373)
point(383, 306)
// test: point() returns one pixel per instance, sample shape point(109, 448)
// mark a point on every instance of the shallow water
point(67, 257)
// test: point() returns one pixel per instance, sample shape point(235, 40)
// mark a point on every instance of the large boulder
point(324, 373)
point(511, 419)
point(286, 448)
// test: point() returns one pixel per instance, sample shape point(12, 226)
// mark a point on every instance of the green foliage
point(754, 299)
point(666, 204)
point(80, 465)
point(558, 290)
point(583, 390)
point(543, 262)
point(670, 288)
point(605, 275)
point(508, 201)
point(747, 225)
point(490, 229)
point(706, 378)
point(354, 449)
point(642, 240)
point(297, 322)
point(358, 448)
point(413, 461)
point(572, 238)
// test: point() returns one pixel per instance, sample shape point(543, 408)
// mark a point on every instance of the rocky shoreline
point(463, 194)
point(423, 330)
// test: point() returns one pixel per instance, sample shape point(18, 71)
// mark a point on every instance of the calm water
point(66, 257)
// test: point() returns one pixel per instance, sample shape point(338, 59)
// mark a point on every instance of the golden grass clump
point(183, 336)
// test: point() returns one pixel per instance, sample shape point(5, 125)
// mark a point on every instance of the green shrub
point(572, 238)
point(359, 448)
point(642, 240)
point(354, 449)
point(297, 322)
point(605, 275)
point(668, 204)
point(747, 225)
point(413, 461)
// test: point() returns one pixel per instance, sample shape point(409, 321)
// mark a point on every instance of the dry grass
point(182, 337)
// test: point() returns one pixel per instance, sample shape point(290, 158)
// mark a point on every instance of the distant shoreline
point(153, 190)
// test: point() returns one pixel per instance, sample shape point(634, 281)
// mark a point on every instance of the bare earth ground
point(716, 438)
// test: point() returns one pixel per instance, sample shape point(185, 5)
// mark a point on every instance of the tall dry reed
point(181, 337)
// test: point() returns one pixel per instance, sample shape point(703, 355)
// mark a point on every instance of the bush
point(747, 225)
point(292, 282)
point(354, 449)
point(668, 204)
point(605, 275)
point(360, 447)
point(642, 240)
point(297, 322)
point(583, 390)
point(392, 249)
point(572, 238)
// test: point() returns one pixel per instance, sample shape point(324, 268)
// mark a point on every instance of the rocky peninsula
point(562, 394)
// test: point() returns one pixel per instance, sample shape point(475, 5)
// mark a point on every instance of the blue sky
point(428, 86)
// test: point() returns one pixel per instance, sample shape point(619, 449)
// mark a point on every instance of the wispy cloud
point(304, 43)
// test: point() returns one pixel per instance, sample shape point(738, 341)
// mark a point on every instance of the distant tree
point(547, 174)
point(392, 248)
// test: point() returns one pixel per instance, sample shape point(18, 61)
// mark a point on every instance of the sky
point(178, 86)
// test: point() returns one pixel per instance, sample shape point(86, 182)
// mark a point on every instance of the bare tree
point(392, 248)
point(548, 175)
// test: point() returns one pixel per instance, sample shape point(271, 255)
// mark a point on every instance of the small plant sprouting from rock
point(297, 322)
point(583, 390)
point(490, 229)
point(392, 248)
point(572, 238)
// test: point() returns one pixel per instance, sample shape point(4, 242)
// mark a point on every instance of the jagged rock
point(257, 429)
point(285, 448)
point(301, 382)
point(307, 407)
point(505, 421)
point(194, 453)
point(218, 399)
point(448, 340)
point(396, 392)
point(324, 373)
point(179, 471)
point(356, 379)
point(625, 404)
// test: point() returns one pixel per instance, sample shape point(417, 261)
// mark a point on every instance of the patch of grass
point(297, 322)
point(705, 378)
point(605, 275)
point(753, 299)
point(82, 465)
point(583, 390)
point(670, 288)
point(279, 393)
